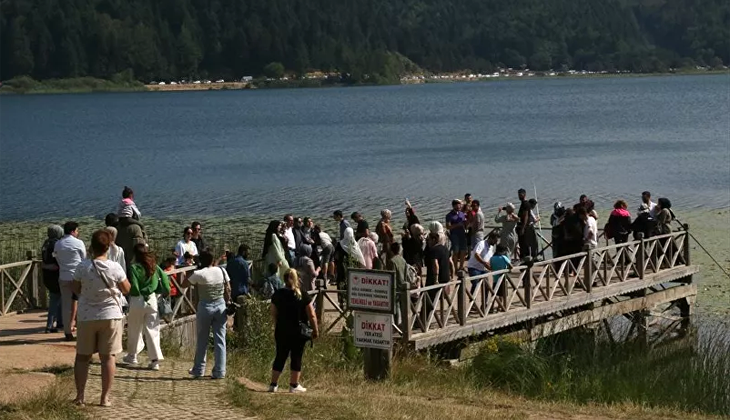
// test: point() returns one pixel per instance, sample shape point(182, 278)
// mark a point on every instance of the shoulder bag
point(164, 306)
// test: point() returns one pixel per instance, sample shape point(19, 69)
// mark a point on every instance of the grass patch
point(424, 387)
point(53, 403)
point(121, 82)
point(689, 375)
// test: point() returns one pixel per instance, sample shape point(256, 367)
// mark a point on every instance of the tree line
point(188, 39)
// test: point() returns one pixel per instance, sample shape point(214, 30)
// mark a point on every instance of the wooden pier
point(551, 296)
point(535, 299)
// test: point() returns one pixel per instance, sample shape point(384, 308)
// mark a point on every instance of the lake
point(311, 151)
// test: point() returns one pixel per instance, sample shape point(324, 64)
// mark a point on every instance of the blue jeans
point(473, 272)
point(211, 314)
point(54, 310)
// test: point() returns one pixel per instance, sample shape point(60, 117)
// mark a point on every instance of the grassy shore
point(581, 379)
point(53, 403)
point(27, 85)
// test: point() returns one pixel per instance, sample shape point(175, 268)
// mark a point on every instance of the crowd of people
point(92, 289)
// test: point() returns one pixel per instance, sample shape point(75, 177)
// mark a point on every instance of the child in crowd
point(272, 282)
point(188, 260)
point(167, 266)
point(127, 207)
point(500, 260)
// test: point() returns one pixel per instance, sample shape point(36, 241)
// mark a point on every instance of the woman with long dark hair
point(147, 279)
point(273, 251)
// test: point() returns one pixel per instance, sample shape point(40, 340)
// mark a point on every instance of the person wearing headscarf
point(385, 231)
point(556, 221)
point(509, 221)
point(436, 228)
point(664, 216)
point(50, 270)
point(369, 250)
point(413, 244)
point(347, 254)
point(273, 251)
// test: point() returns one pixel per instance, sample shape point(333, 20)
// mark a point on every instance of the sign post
point(371, 293)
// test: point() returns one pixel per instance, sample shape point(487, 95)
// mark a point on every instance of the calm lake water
point(311, 151)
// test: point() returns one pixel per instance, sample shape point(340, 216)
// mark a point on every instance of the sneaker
point(191, 372)
point(154, 365)
point(70, 337)
point(129, 359)
point(273, 388)
point(297, 389)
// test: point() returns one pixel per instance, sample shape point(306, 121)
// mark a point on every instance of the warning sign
point(371, 290)
point(373, 330)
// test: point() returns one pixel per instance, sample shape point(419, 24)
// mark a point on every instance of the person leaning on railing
point(214, 292)
point(50, 279)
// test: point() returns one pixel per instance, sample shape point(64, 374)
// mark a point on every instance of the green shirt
point(398, 264)
point(146, 286)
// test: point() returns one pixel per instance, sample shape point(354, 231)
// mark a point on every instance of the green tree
point(22, 56)
point(275, 70)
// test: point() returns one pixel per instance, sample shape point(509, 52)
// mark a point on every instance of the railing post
point(405, 313)
point(686, 244)
point(2, 292)
point(588, 270)
point(319, 301)
point(527, 282)
point(461, 299)
point(640, 256)
point(38, 291)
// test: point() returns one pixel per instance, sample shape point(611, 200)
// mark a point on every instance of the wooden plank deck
point(542, 291)
point(518, 314)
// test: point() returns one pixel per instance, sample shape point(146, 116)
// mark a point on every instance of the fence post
point(461, 299)
point(686, 244)
point(588, 267)
point(319, 301)
point(37, 291)
point(527, 281)
point(640, 256)
point(405, 313)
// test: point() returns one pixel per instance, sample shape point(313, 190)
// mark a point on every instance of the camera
point(231, 308)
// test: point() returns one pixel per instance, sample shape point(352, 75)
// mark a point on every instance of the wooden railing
point(19, 286)
point(475, 298)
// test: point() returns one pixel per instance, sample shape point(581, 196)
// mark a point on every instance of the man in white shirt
point(291, 244)
point(478, 264)
point(646, 199)
point(69, 252)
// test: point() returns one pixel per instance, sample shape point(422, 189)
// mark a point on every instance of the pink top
point(369, 251)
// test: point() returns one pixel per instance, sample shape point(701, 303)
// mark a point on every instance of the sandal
point(78, 403)
point(106, 403)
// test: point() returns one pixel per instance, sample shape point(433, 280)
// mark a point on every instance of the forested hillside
point(172, 39)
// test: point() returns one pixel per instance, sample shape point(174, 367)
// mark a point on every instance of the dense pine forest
point(174, 39)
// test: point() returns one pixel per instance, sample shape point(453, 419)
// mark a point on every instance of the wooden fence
point(468, 299)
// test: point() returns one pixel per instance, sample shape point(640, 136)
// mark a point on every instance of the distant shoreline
point(92, 85)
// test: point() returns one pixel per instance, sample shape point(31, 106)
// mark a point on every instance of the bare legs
point(108, 368)
point(81, 374)
point(74, 311)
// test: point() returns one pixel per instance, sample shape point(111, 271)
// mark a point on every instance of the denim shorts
point(458, 242)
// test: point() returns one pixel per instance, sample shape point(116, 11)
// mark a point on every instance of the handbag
point(164, 306)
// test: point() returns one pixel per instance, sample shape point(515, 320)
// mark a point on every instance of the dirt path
point(169, 393)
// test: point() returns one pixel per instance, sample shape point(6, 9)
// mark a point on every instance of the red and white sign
point(373, 330)
point(370, 290)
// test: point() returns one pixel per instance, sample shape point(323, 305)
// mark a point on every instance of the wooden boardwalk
point(553, 295)
point(538, 298)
